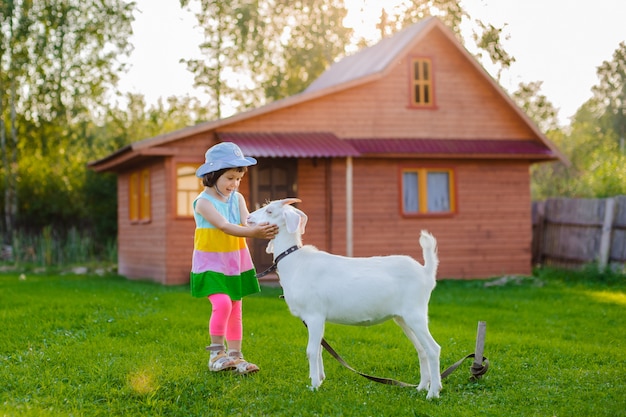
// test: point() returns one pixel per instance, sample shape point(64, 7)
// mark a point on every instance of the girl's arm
point(259, 231)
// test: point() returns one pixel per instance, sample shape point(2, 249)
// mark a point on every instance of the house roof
point(290, 145)
point(369, 61)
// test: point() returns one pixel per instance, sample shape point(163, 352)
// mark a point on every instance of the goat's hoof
point(434, 391)
point(432, 395)
point(315, 385)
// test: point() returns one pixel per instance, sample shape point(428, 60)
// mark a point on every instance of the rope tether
point(478, 368)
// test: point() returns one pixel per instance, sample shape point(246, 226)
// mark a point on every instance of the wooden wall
point(140, 256)
point(489, 235)
point(467, 105)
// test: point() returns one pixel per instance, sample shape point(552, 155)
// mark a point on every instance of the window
point(188, 186)
point(139, 196)
point(428, 191)
point(422, 84)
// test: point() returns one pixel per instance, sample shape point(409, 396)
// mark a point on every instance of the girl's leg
point(222, 307)
point(234, 330)
point(220, 314)
point(234, 334)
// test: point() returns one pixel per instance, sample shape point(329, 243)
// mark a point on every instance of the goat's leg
point(421, 354)
point(314, 351)
point(418, 324)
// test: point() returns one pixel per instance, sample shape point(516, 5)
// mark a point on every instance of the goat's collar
point(274, 266)
point(285, 253)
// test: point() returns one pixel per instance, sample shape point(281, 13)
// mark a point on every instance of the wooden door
point(271, 179)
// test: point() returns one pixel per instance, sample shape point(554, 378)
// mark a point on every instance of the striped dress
point(221, 263)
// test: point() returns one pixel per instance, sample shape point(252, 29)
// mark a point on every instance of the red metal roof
point(325, 144)
point(467, 147)
point(290, 145)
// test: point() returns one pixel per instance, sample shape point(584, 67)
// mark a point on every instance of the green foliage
point(59, 59)
point(610, 93)
point(86, 345)
point(593, 144)
point(590, 274)
point(58, 248)
point(537, 106)
point(304, 58)
point(273, 46)
point(488, 40)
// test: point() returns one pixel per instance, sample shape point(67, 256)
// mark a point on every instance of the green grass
point(105, 346)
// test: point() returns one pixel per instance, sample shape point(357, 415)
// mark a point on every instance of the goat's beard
point(270, 247)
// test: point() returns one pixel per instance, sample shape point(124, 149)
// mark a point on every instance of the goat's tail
point(429, 250)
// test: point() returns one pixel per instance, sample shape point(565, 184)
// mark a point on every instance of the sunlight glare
point(609, 297)
point(364, 15)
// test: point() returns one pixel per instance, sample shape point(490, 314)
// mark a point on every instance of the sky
point(558, 42)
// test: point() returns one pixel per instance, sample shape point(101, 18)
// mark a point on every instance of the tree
point(15, 24)
point(610, 93)
point(486, 36)
point(58, 58)
point(536, 105)
point(593, 142)
point(409, 12)
point(303, 56)
point(258, 51)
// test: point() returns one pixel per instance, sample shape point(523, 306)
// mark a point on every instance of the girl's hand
point(264, 231)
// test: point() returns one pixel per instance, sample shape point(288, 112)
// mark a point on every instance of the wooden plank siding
point(468, 107)
point(138, 255)
point(489, 235)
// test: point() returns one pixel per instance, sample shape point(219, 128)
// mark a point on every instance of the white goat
point(320, 287)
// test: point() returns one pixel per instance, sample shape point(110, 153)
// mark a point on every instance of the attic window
point(188, 186)
point(428, 191)
point(421, 82)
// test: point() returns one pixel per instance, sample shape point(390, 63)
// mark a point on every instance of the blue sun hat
point(223, 155)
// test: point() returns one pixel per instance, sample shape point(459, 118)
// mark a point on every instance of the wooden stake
point(480, 343)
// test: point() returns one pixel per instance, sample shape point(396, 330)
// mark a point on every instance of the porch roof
point(290, 145)
point(465, 148)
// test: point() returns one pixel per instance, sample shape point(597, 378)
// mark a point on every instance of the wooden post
point(539, 220)
point(480, 343)
point(349, 214)
point(607, 228)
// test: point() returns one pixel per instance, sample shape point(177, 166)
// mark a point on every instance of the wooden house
point(408, 134)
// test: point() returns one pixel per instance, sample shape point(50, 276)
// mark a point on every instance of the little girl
point(222, 268)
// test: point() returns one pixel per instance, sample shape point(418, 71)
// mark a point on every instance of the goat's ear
point(270, 247)
point(292, 220)
point(303, 219)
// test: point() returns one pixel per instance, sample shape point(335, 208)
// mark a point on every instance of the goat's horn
point(286, 201)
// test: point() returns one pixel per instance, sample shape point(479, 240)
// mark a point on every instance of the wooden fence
point(571, 232)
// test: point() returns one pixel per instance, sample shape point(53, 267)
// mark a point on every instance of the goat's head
point(281, 213)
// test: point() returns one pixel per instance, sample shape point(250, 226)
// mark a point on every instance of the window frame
point(140, 196)
point(429, 82)
point(189, 192)
point(422, 172)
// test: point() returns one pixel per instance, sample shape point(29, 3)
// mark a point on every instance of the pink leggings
point(225, 317)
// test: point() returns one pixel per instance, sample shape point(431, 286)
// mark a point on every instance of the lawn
point(105, 346)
